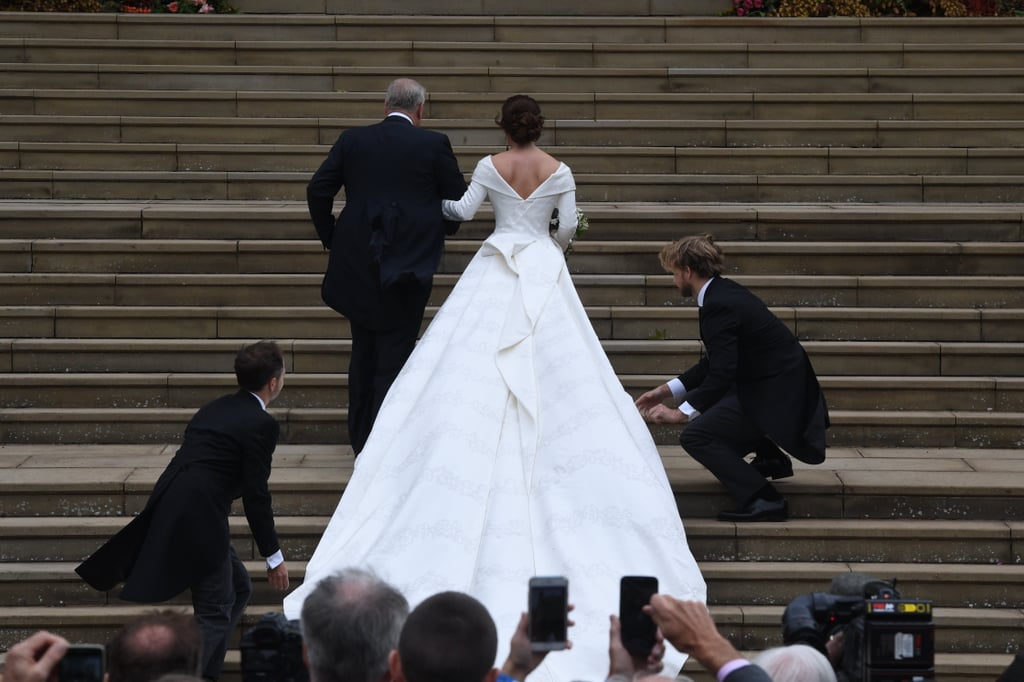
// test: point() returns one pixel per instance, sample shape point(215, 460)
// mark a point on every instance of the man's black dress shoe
point(758, 510)
point(773, 467)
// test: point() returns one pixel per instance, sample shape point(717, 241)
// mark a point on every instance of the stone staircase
point(864, 177)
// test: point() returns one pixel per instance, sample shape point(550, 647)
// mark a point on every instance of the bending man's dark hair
point(154, 645)
point(350, 623)
point(256, 364)
point(450, 637)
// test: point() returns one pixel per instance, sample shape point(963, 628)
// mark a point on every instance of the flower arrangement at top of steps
point(876, 8)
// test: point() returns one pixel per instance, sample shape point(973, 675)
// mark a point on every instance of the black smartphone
point(638, 630)
point(548, 613)
point(81, 663)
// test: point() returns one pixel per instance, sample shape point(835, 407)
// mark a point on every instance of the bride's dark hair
point(520, 118)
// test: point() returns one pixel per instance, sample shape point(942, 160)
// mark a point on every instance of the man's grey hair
point(404, 94)
point(796, 663)
point(350, 623)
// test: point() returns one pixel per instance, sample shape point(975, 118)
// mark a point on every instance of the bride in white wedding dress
point(507, 447)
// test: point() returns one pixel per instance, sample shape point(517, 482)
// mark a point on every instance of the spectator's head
point(407, 96)
point(350, 623)
point(796, 663)
point(520, 119)
point(450, 637)
point(698, 252)
point(260, 365)
point(153, 645)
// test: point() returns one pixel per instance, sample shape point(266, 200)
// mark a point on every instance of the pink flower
point(205, 9)
point(740, 11)
point(758, 3)
point(172, 7)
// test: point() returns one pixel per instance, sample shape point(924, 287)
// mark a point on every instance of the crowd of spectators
point(357, 628)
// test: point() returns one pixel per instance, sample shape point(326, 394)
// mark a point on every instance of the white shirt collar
point(262, 404)
point(700, 295)
point(399, 113)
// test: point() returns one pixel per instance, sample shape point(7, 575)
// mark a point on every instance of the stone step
point(620, 323)
point(104, 390)
point(856, 482)
point(306, 355)
point(26, 219)
point(591, 255)
point(483, 134)
point(729, 583)
point(896, 428)
point(912, 541)
point(473, 105)
point(661, 222)
point(515, 78)
point(818, 160)
point(178, 289)
point(290, 186)
point(434, 53)
point(656, 23)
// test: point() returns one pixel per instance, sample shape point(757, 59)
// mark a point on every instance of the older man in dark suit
point(181, 539)
point(387, 243)
point(754, 389)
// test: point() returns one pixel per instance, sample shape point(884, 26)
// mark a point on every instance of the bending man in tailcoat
point(181, 539)
point(753, 390)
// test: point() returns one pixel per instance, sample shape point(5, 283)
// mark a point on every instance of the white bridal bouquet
point(582, 225)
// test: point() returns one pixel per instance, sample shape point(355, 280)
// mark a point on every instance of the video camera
point(884, 638)
point(272, 651)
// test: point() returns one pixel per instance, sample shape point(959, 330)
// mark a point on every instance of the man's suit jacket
point(182, 534)
point(387, 243)
point(748, 673)
point(748, 348)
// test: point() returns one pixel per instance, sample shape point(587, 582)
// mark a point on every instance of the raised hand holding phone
point(639, 633)
point(549, 613)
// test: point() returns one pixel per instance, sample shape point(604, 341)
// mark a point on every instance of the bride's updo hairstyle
point(520, 119)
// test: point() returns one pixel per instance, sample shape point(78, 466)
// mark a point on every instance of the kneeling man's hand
point(662, 414)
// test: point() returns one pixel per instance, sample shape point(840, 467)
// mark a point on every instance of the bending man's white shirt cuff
point(275, 560)
point(679, 391)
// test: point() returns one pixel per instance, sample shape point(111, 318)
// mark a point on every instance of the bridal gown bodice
point(507, 448)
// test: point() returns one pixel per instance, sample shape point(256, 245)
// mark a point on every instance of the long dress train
point(507, 448)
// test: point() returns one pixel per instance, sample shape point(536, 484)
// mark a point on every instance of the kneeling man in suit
point(753, 390)
point(181, 539)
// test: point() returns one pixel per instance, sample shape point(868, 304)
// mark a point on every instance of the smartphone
point(549, 613)
point(638, 630)
point(82, 663)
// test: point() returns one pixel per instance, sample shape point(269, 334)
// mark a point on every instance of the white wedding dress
point(507, 448)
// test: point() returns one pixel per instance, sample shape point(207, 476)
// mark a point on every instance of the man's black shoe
point(773, 467)
point(758, 510)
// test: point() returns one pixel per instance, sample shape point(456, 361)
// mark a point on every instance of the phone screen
point(638, 630)
point(81, 663)
point(549, 603)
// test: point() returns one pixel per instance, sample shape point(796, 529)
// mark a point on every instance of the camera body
point(885, 638)
point(272, 651)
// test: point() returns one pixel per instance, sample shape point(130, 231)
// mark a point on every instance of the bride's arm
point(566, 218)
point(466, 207)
